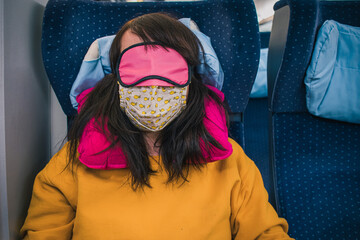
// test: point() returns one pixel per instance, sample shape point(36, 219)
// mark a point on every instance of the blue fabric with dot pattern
point(316, 161)
point(318, 176)
point(70, 26)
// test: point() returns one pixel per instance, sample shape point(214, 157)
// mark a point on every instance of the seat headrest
point(70, 26)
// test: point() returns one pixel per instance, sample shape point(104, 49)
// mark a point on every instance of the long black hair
point(179, 142)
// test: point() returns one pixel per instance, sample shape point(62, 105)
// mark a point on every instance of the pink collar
point(94, 141)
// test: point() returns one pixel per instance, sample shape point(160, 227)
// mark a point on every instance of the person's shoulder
point(234, 168)
point(238, 152)
point(59, 164)
point(238, 159)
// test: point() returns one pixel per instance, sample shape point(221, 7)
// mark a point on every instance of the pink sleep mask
point(150, 64)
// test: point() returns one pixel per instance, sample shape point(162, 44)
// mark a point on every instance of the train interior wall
point(31, 122)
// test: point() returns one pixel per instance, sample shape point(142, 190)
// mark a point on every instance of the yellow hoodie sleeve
point(51, 211)
point(252, 216)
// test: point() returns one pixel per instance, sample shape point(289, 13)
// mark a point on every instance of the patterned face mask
point(151, 108)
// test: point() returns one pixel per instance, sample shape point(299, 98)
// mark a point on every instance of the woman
point(163, 167)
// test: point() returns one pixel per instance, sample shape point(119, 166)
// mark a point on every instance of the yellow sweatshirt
point(225, 200)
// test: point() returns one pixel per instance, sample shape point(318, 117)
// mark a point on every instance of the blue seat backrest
point(70, 26)
point(316, 162)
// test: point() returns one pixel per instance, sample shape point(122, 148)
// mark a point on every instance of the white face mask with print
point(151, 108)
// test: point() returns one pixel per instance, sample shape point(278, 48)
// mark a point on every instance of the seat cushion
point(333, 77)
point(259, 89)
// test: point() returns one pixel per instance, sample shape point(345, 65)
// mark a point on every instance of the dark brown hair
point(179, 142)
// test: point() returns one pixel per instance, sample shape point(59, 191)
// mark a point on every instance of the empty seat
point(316, 161)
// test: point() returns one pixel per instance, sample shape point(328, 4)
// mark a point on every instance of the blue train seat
point(70, 26)
point(256, 131)
point(316, 161)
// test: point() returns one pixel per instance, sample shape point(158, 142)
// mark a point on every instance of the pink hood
point(93, 142)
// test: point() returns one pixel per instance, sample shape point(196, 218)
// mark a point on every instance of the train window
point(265, 13)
